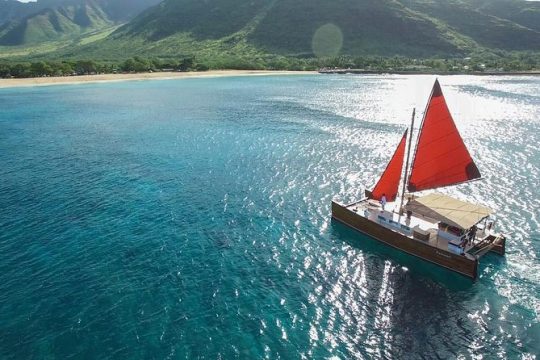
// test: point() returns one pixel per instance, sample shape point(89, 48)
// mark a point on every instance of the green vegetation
point(53, 20)
point(494, 32)
point(508, 63)
point(479, 63)
point(44, 49)
point(412, 28)
point(524, 13)
point(374, 35)
point(90, 67)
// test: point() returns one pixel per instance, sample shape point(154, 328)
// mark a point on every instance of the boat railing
point(356, 202)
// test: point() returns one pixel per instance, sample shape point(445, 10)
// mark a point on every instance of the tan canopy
point(448, 210)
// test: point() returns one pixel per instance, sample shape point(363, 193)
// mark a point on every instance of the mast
point(420, 128)
point(405, 179)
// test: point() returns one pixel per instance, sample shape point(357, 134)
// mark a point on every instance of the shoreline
point(106, 78)
point(420, 72)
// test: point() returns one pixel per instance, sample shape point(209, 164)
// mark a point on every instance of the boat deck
point(426, 229)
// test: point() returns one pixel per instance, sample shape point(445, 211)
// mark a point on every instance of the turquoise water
point(191, 219)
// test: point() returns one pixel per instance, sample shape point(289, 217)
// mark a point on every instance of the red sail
point(441, 158)
point(389, 182)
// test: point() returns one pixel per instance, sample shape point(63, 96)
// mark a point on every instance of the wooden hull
point(459, 263)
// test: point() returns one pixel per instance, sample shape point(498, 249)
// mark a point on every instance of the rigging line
point(455, 184)
point(450, 166)
point(433, 159)
point(442, 137)
point(442, 119)
point(472, 126)
point(443, 175)
point(425, 185)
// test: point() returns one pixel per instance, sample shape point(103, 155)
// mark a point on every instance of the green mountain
point(489, 24)
point(524, 13)
point(322, 27)
point(51, 20)
point(14, 9)
point(251, 29)
point(383, 27)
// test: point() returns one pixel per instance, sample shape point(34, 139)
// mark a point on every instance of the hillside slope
point(59, 19)
point(13, 9)
point(487, 23)
point(303, 28)
point(524, 13)
point(384, 27)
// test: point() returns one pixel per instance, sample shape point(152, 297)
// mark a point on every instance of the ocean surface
point(187, 219)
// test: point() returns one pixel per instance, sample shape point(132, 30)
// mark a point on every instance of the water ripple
point(191, 219)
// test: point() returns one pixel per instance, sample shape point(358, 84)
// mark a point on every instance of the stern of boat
point(499, 245)
point(495, 243)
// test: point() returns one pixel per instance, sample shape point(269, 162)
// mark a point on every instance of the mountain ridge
point(317, 28)
point(420, 28)
point(53, 20)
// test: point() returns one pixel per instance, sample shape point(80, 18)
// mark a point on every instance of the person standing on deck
point(383, 201)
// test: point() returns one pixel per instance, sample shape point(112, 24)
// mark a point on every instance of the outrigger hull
point(463, 265)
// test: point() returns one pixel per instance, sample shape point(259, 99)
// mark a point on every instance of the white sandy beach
point(63, 80)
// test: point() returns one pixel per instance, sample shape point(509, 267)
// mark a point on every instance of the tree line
point(91, 67)
point(480, 62)
point(476, 63)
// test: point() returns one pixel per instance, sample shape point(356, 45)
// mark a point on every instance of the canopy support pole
point(406, 178)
